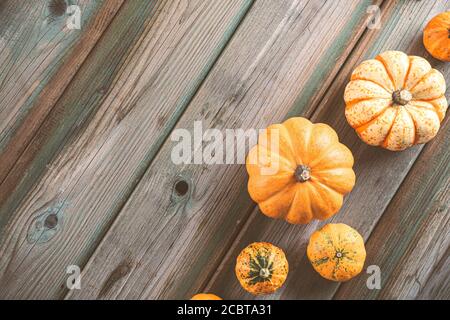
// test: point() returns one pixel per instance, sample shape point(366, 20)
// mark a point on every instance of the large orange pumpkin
point(436, 36)
point(304, 176)
point(395, 101)
point(337, 252)
point(261, 268)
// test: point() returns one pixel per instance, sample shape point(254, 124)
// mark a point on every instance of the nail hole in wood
point(181, 188)
point(51, 221)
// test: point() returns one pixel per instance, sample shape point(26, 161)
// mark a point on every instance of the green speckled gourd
point(261, 268)
point(337, 252)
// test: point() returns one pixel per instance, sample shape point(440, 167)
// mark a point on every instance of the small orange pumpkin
point(261, 268)
point(304, 175)
point(206, 296)
point(337, 252)
point(395, 101)
point(436, 36)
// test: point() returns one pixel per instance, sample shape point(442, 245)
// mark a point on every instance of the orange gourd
point(395, 101)
point(261, 268)
point(337, 252)
point(436, 36)
point(304, 176)
point(205, 296)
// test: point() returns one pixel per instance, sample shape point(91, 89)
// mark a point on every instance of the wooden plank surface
point(437, 285)
point(86, 173)
point(39, 57)
point(90, 178)
point(411, 238)
point(379, 172)
point(163, 245)
point(83, 97)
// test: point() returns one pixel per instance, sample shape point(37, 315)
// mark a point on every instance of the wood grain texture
point(136, 103)
point(169, 244)
point(438, 283)
point(412, 236)
point(379, 172)
point(82, 98)
point(39, 57)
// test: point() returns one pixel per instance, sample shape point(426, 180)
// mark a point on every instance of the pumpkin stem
point(302, 173)
point(402, 97)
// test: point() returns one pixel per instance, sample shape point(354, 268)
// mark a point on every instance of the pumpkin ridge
point(307, 138)
point(321, 180)
point(407, 73)
point(385, 140)
point(291, 147)
point(416, 135)
point(375, 116)
point(310, 216)
point(420, 80)
point(433, 107)
point(436, 43)
point(324, 171)
point(352, 103)
point(290, 205)
point(360, 128)
point(431, 99)
point(320, 261)
point(388, 72)
point(418, 106)
point(290, 185)
point(323, 154)
point(282, 160)
point(287, 184)
point(282, 132)
point(374, 82)
point(328, 188)
point(323, 184)
point(369, 94)
point(336, 269)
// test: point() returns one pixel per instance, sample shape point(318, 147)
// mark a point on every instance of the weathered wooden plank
point(136, 101)
point(86, 92)
point(437, 286)
point(412, 236)
point(39, 56)
point(165, 244)
point(379, 172)
point(414, 269)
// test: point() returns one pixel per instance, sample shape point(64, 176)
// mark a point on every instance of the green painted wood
point(103, 134)
point(379, 172)
point(40, 54)
point(169, 244)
